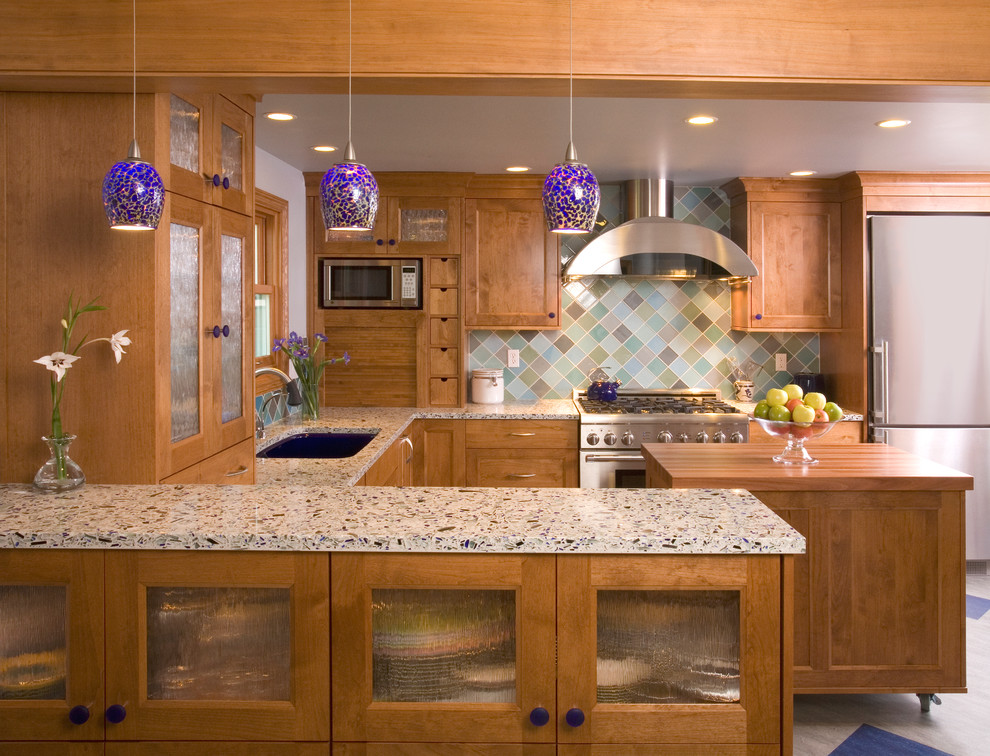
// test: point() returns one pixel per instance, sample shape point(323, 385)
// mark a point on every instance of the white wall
point(281, 179)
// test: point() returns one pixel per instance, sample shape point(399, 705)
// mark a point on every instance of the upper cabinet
point(209, 141)
point(791, 228)
point(511, 260)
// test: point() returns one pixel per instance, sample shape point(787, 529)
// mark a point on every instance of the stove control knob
point(593, 439)
point(718, 438)
point(702, 438)
point(682, 437)
point(610, 438)
point(664, 437)
point(736, 438)
point(628, 438)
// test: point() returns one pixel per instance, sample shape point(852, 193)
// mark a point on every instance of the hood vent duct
point(651, 244)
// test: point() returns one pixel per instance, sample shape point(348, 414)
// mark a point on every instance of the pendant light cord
point(349, 54)
point(570, 47)
point(134, 69)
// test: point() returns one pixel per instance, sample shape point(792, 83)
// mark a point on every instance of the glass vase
point(59, 473)
point(310, 392)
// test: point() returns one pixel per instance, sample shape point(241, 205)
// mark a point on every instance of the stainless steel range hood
point(654, 245)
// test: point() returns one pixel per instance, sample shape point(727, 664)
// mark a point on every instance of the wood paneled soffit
point(843, 49)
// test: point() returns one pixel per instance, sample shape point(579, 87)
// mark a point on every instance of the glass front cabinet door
point(221, 646)
point(443, 648)
point(669, 650)
point(51, 648)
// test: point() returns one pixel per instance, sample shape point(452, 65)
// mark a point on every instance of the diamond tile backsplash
point(652, 334)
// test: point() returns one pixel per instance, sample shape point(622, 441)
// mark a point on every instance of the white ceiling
point(628, 138)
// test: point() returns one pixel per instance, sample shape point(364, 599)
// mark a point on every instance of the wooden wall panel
point(58, 148)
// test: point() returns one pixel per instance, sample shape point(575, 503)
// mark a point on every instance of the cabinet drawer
point(445, 392)
point(522, 434)
point(233, 466)
point(443, 361)
point(444, 271)
point(445, 331)
point(522, 468)
point(443, 301)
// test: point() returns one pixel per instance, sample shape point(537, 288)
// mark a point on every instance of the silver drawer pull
point(522, 434)
point(614, 458)
point(235, 473)
point(521, 475)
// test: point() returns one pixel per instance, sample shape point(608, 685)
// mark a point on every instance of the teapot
point(601, 386)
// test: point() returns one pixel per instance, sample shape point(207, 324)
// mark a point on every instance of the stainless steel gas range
point(613, 431)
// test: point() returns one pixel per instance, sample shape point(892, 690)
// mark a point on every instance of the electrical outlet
point(512, 358)
point(780, 362)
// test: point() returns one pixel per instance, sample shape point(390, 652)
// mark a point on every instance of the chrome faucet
point(290, 389)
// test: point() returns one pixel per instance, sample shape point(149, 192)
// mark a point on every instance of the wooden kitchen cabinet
point(209, 141)
point(223, 646)
point(443, 452)
point(626, 667)
point(791, 228)
point(521, 453)
point(511, 260)
point(206, 396)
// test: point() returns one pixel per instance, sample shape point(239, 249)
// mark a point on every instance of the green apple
point(762, 409)
point(815, 400)
point(777, 397)
point(793, 391)
point(803, 414)
point(779, 412)
point(833, 410)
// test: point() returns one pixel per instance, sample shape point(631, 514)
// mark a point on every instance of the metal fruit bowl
point(795, 434)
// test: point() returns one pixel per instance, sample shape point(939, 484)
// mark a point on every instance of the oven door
point(612, 469)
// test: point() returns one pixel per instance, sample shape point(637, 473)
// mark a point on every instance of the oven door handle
point(614, 458)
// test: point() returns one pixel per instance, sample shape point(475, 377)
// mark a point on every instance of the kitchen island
point(880, 592)
point(172, 618)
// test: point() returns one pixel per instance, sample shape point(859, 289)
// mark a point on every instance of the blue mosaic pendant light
point(133, 192)
point(571, 195)
point(348, 191)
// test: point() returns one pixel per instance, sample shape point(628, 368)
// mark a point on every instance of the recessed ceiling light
point(517, 168)
point(325, 148)
point(803, 173)
point(279, 116)
point(893, 123)
point(701, 120)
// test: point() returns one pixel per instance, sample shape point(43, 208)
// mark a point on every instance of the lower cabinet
point(198, 653)
point(523, 453)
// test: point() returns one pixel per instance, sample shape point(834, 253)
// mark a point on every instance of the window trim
point(275, 211)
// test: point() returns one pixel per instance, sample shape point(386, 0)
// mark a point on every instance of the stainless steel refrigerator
point(930, 348)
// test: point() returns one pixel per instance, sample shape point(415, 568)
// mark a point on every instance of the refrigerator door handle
point(881, 387)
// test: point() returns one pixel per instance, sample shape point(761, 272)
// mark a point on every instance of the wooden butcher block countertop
point(841, 467)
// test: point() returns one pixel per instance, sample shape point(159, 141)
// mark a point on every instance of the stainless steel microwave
point(371, 282)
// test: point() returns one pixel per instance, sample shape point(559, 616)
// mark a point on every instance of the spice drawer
point(445, 392)
point(522, 434)
point(444, 271)
point(443, 362)
point(445, 331)
point(443, 301)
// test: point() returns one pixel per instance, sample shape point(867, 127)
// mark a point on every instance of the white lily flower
point(117, 342)
point(58, 363)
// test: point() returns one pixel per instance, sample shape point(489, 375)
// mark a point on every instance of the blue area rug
point(872, 741)
point(976, 607)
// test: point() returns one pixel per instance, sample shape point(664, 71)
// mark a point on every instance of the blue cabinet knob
point(79, 714)
point(539, 716)
point(226, 183)
point(216, 179)
point(391, 242)
point(380, 242)
point(552, 314)
point(574, 717)
point(116, 713)
point(759, 316)
point(225, 331)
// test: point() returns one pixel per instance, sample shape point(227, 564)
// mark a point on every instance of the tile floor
point(960, 726)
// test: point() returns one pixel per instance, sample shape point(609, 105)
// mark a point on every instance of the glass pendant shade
point(571, 196)
point(349, 196)
point(133, 194)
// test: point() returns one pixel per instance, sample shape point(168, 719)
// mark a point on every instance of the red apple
point(792, 403)
point(821, 416)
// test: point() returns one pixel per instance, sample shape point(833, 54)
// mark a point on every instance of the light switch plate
point(780, 361)
point(512, 358)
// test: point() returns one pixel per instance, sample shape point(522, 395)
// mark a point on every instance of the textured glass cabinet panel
point(184, 254)
point(32, 642)
point(660, 647)
point(422, 225)
point(231, 155)
point(219, 644)
point(231, 302)
point(433, 645)
point(184, 134)
point(262, 325)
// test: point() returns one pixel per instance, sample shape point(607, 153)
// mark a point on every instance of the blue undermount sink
point(317, 445)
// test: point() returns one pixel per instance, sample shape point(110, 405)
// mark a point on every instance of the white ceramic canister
point(487, 386)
